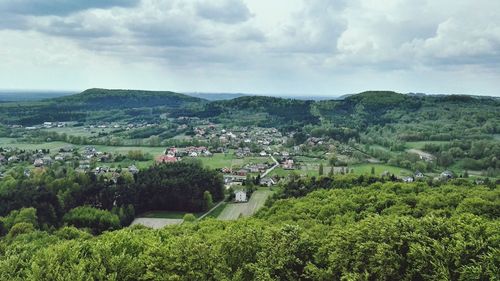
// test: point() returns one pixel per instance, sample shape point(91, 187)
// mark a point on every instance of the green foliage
point(96, 220)
point(25, 215)
point(207, 200)
point(189, 218)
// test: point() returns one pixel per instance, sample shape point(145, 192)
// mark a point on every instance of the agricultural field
point(421, 144)
point(365, 169)
point(81, 131)
point(233, 210)
point(12, 142)
point(221, 160)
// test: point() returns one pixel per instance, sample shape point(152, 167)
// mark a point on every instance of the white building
point(240, 196)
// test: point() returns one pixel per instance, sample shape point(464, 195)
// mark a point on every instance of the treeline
point(55, 193)
point(382, 231)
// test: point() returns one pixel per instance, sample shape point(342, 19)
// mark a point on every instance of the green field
point(56, 145)
point(12, 142)
point(233, 211)
point(421, 144)
point(365, 169)
point(221, 160)
point(217, 211)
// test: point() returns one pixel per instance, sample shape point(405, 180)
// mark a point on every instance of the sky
point(289, 47)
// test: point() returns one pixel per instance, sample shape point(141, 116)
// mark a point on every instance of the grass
point(421, 144)
point(217, 211)
point(233, 211)
point(365, 169)
point(221, 160)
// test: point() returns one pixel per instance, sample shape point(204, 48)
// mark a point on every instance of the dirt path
point(423, 155)
point(233, 211)
point(156, 223)
point(276, 164)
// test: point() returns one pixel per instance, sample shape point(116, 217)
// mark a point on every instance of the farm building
point(240, 196)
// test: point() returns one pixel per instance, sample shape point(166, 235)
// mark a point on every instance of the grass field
point(421, 144)
point(365, 169)
point(55, 145)
point(12, 142)
point(233, 210)
point(221, 160)
point(217, 211)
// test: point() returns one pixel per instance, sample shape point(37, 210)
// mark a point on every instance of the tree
point(466, 174)
point(189, 218)
point(372, 170)
point(208, 201)
point(320, 171)
point(331, 172)
point(95, 219)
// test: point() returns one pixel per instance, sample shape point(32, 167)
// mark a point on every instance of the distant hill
point(30, 95)
point(94, 99)
point(351, 112)
point(216, 96)
point(99, 105)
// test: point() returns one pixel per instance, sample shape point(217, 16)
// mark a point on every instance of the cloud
point(58, 7)
point(284, 40)
point(225, 11)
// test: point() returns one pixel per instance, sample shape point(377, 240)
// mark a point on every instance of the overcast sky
point(315, 47)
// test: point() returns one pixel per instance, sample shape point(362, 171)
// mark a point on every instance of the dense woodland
point(378, 231)
point(56, 193)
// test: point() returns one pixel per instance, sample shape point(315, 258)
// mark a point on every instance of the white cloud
point(321, 44)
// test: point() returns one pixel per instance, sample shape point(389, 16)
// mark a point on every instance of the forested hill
point(100, 104)
point(355, 112)
point(93, 99)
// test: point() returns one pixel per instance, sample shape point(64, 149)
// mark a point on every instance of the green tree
point(320, 170)
point(208, 201)
point(189, 218)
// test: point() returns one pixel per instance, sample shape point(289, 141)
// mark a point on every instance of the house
point(408, 179)
point(267, 182)
point(13, 159)
point(133, 169)
point(38, 162)
point(47, 160)
point(288, 164)
point(240, 196)
point(242, 172)
point(263, 153)
point(446, 175)
point(479, 181)
point(27, 173)
point(419, 175)
point(166, 159)
point(3, 159)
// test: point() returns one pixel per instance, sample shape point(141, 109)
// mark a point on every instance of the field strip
point(234, 210)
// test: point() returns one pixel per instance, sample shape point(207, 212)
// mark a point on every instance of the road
point(276, 164)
